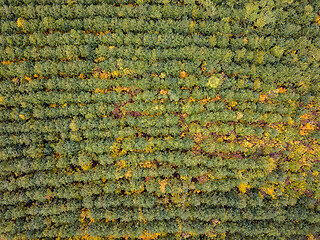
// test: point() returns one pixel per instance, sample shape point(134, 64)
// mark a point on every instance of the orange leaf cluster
point(318, 20)
point(306, 129)
point(105, 75)
point(282, 90)
point(305, 116)
point(204, 101)
point(183, 74)
point(6, 62)
point(217, 98)
point(263, 97)
point(82, 76)
point(102, 33)
point(162, 91)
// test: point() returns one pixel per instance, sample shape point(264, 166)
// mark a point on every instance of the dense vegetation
point(159, 119)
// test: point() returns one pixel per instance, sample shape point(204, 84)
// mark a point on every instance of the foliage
point(159, 119)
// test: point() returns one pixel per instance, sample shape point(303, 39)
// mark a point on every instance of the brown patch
point(308, 192)
point(16, 80)
point(185, 235)
point(196, 149)
point(203, 178)
point(135, 114)
point(98, 70)
point(182, 116)
point(117, 113)
point(147, 178)
point(287, 181)
point(238, 156)
point(214, 221)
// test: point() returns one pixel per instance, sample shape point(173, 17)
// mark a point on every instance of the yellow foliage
point(270, 191)
point(149, 149)
point(192, 26)
point(148, 236)
point(98, 90)
point(291, 122)
point(243, 187)
point(100, 59)
point(22, 117)
point(310, 236)
point(115, 73)
point(271, 165)
point(247, 144)
point(233, 104)
point(83, 215)
point(184, 177)
point(146, 164)
point(191, 99)
point(260, 56)
point(128, 71)
point(121, 164)
point(214, 81)
point(16, 80)
point(128, 174)
point(141, 218)
point(163, 184)
point(162, 75)
point(86, 167)
point(28, 78)
point(2, 100)
point(70, 2)
point(20, 22)
point(309, 126)
point(115, 148)
point(239, 116)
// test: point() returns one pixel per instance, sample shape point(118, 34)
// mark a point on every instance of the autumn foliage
point(159, 119)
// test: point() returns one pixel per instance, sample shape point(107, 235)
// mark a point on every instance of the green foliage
point(159, 119)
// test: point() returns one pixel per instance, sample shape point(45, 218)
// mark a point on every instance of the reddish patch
point(308, 192)
point(117, 113)
point(287, 182)
point(135, 114)
point(147, 178)
point(202, 179)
